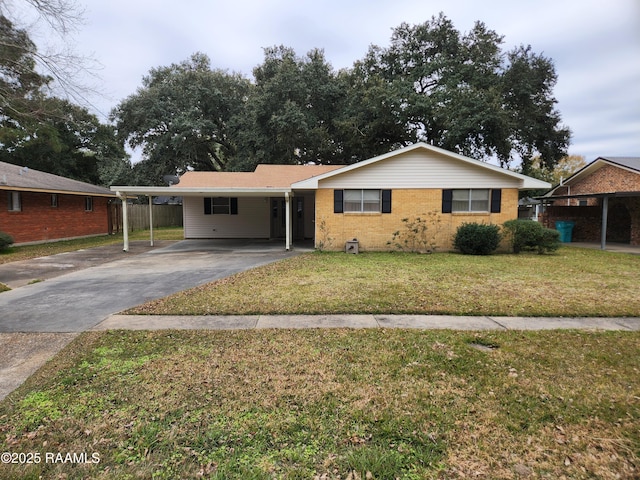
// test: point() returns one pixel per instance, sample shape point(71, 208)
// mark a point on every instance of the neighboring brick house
point(335, 204)
point(39, 207)
point(602, 196)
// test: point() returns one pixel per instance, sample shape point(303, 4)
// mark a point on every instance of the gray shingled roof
point(15, 177)
point(629, 162)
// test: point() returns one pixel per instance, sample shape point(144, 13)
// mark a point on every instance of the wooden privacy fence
point(138, 216)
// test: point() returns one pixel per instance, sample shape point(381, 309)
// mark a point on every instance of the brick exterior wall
point(373, 231)
point(623, 220)
point(623, 217)
point(38, 221)
point(607, 179)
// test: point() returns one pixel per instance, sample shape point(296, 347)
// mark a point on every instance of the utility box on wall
point(352, 246)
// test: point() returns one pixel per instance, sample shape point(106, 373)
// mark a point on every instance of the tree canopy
point(458, 91)
point(461, 91)
point(44, 132)
point(183, 116)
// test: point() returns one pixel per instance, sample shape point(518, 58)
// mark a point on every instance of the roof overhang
point(55, 191)
point(202, 191)
point(590, 195)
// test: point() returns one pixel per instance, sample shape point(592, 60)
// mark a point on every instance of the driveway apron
point(78, 301)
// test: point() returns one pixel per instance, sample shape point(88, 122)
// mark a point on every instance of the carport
point(125, 192)
point(603, 199)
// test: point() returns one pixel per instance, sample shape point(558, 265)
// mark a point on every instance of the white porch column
point(151, 219)
point(287, 209)
point(125, 221)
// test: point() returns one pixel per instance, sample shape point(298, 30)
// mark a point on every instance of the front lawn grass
point(572, 282)
point(26, 252)
point(331, 404)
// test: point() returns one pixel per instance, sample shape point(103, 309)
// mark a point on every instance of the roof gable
point(15, 177)
point(422, 166)
point(630, 164)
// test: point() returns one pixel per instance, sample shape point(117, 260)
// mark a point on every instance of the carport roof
point(265, 180)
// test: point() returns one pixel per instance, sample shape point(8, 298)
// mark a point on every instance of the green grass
point(572, 282)
point(332, 404)
point(27, 252)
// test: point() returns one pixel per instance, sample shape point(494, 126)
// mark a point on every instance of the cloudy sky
point(595, 45)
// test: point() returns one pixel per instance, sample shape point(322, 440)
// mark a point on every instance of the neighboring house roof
point(15, 177)
point(447, 161)
point(631, 164)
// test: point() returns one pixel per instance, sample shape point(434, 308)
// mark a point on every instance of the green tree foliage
point(458, 91)
point(183, 116)
point(21, 87)
point(47, 133)
point(70, 142)
point(290, 113)
point(462, 93)
point(562, 170)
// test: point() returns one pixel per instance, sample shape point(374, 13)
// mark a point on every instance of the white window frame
point(15, 201)
point(471, 200)
point(54, 200)
point(362, 201)
point(221, 205)
point(88, 204)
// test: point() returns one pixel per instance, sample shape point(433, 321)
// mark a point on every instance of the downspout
point(125, 221)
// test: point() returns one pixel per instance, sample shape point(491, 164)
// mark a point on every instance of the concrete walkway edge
point(430, 322)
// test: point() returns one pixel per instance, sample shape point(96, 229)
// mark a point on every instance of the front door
point(298, 218)
point(278, 218)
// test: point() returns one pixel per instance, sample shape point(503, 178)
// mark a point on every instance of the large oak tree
point(182, 117)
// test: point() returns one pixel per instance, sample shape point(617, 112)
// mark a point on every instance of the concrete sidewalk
point(431, 322)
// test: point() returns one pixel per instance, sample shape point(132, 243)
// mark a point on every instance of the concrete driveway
point(77, 301)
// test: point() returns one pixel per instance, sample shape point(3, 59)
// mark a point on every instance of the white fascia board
point(202, 191)
point(530, 183)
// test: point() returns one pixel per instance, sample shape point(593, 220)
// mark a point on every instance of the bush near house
point(5, 241)
point(477, 238)
point(530, 235)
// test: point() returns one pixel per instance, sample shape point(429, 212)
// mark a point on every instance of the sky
point(594, 44)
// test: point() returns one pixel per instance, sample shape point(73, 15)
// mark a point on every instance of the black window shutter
point(386, 201)
point(207, 206)
point(496, 199)
point(447, 201)
point(233, 205)
point(338, 206)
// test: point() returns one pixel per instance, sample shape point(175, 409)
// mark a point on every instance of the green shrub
point(5, 241)
point(530, 235)
point(477, 238)
point(549, 241)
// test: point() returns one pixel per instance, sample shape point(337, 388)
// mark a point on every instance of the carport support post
point(605, 213)
point(287, 209)
point(125, 221)
point(151, 219)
